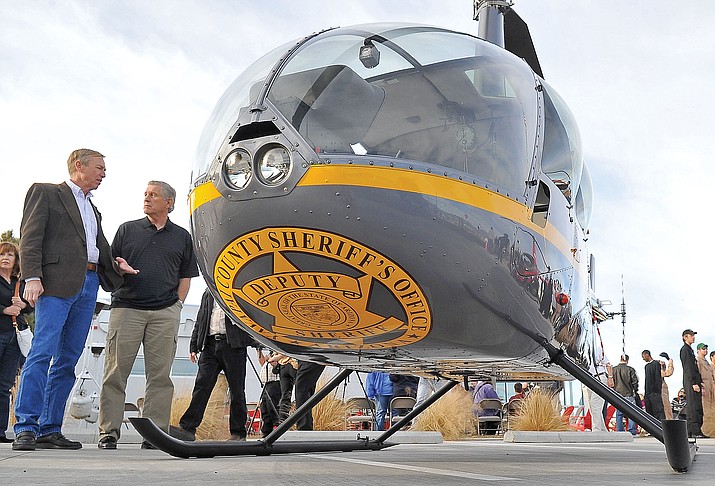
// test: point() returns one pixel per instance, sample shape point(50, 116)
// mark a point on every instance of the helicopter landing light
point(274, 165)
point(237, 168)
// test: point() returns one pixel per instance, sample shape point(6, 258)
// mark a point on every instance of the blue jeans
point(61, 329)
point(382, 406)
point(619, 419)
point(9, 361)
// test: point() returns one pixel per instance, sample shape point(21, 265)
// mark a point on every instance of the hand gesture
point(124, 267)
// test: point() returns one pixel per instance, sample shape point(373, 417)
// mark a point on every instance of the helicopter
point(401, 198)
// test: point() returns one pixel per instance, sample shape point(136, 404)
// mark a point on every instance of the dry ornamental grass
point(539, 411)
point(214, 426)
point(451, 416)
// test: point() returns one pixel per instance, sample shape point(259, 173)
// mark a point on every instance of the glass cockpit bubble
point(432, 95)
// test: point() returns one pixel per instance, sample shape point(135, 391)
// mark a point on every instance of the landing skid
point(177, 448)
point(268, 445)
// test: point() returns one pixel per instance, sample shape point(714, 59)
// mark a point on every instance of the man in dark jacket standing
point(692, 383)
point(220, 345)
point(625, 382)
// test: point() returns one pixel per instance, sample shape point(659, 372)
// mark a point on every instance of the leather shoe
point(24, 441)
point(107, 442)
point(147, 445)
point(57, 441)
point(240, 438)
point(181, 434)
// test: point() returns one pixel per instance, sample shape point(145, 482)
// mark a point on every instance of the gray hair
point(167, 192)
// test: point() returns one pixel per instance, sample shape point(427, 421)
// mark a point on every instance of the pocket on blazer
point(49, 259)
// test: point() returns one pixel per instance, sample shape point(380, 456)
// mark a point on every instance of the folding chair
point(489, 404)
point(400, 403)
point(360, 415)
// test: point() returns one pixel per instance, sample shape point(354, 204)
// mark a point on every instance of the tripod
point(82, 405)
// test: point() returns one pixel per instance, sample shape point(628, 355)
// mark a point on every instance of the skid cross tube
point(305, 409)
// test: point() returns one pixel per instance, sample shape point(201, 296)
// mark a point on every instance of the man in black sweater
point(653, 386)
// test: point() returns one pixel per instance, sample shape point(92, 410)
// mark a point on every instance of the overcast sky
point(136, 80)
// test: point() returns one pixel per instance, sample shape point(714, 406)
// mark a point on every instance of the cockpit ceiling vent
point(255, 130)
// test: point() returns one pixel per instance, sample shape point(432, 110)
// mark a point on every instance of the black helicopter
point(401, 198)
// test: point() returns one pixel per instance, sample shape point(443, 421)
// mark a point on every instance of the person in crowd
point(146, 310)
point(306, 380)
point(12, 313)
point(380, 388)
point(404, 386)
point(64, 258)
point(666, 370)
point(271, 394)
point(706, 373)
point(482, 390)
point(678, 405)
point(518, 392)
point(625, 382)
point(426, 387)
point(653, 386)
point(287, 369)
point(692, 383)
point(218, 345)
point(600, 367)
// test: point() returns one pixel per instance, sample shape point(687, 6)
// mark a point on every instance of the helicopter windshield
point(413, 92)
point(396, 90)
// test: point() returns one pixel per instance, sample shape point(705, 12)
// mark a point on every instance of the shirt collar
point(77, 191)
point(149, 224)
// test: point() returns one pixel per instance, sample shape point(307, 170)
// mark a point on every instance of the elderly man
point(64, 259)
point(146, 311)
point(692, 383)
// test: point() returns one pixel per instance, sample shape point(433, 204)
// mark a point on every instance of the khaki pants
point(667, 408)
point(157, 330)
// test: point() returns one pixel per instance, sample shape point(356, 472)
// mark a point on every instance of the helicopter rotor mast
point(490, 14)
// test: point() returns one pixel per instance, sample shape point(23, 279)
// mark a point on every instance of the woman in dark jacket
point(10, 306)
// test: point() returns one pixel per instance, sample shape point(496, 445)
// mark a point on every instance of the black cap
point(665, 355)
point(689, 331)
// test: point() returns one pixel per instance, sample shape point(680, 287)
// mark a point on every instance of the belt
point(91, 267)
point(218, 337)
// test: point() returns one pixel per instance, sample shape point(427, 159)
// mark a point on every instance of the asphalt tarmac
point(642, 461)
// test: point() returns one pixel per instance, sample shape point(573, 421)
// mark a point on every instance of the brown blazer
point(52, 242)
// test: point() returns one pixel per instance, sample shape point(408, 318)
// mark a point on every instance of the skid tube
point(264, 447)
point(672, 433)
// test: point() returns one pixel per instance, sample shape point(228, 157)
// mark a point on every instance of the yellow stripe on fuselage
point(433, 185)
point(411, 181)
point(201, 195)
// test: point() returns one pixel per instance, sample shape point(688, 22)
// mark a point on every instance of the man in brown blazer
point(64, 257)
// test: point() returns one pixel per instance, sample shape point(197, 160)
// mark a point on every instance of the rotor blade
point(517, 40)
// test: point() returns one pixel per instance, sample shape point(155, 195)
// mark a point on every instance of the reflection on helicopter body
point(379, 197)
